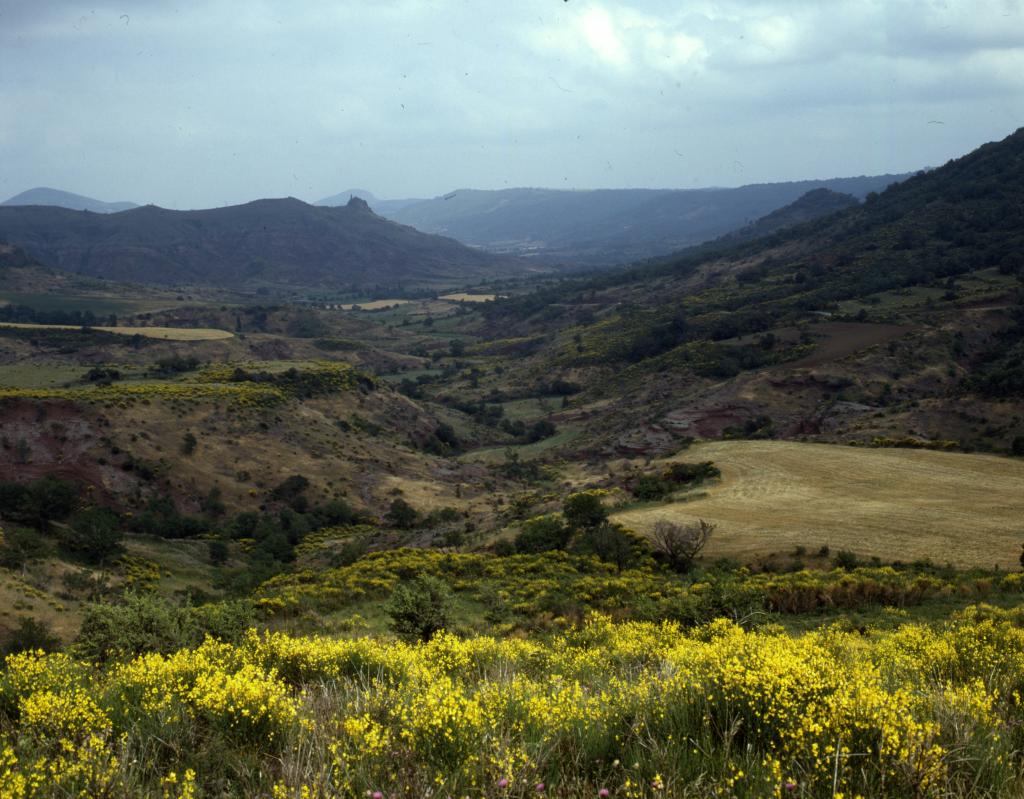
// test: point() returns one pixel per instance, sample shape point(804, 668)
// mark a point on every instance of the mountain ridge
point(382, 207)
point(605, 226)
point(269, 242)
point(42, 195)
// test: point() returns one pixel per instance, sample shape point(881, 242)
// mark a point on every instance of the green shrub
point(161, 518)
point(218, 552)
point(649, 487)
point(39, 502)
point(692, 473)
point(143, 623)
point(149, 623)
point(420, 608)
point(542, 534)
point(290, 488)
point(612, 544)
point(94, 534)
point(19, 546)
point(226, 621)
point(584, 511)
point(402, 515)
point(30, 635)
point(845, 559)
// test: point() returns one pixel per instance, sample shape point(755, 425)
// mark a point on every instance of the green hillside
point(743, 521)
point(266, 243)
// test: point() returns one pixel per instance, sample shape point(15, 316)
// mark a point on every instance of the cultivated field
point(70, 300)
point(373, 305)
point(163, 333)
point(462, 297)
point(894, 503)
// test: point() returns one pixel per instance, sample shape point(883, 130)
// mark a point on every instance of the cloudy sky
point(201, 104)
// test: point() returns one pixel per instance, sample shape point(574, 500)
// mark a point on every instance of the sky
point(203, 104)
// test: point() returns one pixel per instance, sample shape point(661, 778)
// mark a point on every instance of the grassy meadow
point(99, 304)
point(896, 504)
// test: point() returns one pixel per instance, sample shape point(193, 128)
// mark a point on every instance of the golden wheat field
point(463, 297)
point(373, 305)
point(897, 504)
point(164, 333)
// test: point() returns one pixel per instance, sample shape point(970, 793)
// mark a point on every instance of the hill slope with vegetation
point(886, 320)
point(268, 243)
point(610, 225)
point(743, 521)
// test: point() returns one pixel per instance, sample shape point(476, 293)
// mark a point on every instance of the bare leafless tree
point(680, 544)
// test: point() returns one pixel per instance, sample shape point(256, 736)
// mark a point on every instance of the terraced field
point(894, 503)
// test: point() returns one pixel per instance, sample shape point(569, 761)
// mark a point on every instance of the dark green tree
point(19, 546)
point(584, 511)
point(45, 500)
point(542, 535)
point(612, 544)
point(218, 552)
point(420, 608)
point(93, 534)
point(401, 515)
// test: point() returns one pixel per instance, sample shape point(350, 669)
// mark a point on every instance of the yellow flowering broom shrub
point(632, 709)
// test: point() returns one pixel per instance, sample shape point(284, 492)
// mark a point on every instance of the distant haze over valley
point(601, 226)
point(66, 199)
point(340, 241)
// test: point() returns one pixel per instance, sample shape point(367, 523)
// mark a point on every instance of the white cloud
point(185, 104)
point(599, 32)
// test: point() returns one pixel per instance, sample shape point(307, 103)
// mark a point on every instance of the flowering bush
point(560, 584)
point(603, 709)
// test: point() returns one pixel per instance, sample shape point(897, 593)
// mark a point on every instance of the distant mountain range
point(602, 226)
point(65, 199)
point(269, 243)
